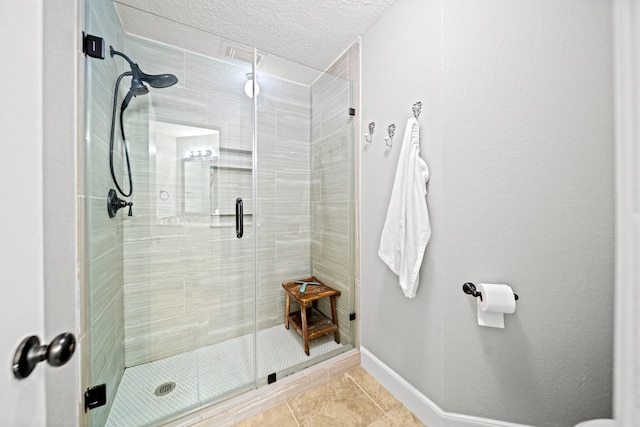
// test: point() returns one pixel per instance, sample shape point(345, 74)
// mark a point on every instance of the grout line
point(367, 394)
point(292, 414)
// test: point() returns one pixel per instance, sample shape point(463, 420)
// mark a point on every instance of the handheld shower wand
point(138, 87)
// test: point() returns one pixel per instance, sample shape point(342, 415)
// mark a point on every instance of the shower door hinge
point(95, 397)
point(271, 378)
point(352, 316)
point(352, 111)
point(93, 46)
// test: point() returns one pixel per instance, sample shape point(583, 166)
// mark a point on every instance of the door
point(21, 252)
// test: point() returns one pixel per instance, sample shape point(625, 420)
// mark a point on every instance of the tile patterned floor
point(207, 374)
point(353, 399)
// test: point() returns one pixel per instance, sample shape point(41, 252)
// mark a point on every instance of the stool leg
point(334, 315)
point(305, 328)
point(286, 311)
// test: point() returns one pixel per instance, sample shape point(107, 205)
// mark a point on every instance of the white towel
point(406, 230)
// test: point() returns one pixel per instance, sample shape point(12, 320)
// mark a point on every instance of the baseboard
point(424, 408)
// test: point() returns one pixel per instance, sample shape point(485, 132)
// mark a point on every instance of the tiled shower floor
point(207, 374)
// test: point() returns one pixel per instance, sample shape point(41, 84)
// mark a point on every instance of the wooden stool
point(313, 324)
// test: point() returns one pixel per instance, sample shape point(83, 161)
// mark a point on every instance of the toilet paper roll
point(497, 299)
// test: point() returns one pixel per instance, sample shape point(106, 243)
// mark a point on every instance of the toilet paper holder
point(470, 288)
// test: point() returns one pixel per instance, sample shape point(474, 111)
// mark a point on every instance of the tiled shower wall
point(333, 233)
point(104, 282)
point(188, 285)
point(283, 193)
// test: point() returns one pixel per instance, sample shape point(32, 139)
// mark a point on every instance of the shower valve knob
point(114, 203)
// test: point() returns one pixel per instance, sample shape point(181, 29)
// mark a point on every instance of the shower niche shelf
point(229, 220)
point(210, 181)
point(235, 159)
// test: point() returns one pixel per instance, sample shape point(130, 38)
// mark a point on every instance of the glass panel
point(103, 343)
point(171, 287)
point(304, 202)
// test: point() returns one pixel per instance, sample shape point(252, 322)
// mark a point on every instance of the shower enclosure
point(183, 310)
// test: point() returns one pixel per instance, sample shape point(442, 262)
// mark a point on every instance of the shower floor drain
point(164, 389)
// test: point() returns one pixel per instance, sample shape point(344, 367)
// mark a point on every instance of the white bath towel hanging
point(407, 230)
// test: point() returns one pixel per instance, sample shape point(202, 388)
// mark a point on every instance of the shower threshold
point(209, 374)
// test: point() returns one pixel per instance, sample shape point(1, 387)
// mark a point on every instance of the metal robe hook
point(391, 129)
point(417, 108)
point(369, 136)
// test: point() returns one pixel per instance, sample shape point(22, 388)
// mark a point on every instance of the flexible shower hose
point(124, 141)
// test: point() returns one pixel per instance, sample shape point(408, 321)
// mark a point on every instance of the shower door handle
point(239, 218)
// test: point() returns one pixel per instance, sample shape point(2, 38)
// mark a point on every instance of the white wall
point(517, 131)
point(400, 65)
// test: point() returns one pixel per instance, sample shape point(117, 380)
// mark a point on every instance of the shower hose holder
point(114, 203)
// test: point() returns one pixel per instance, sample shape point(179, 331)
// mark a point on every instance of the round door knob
point(61, 349)
point(30, 353)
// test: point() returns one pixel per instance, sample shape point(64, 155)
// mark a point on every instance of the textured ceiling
point(311, 32)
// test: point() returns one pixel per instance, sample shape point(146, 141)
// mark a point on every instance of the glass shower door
point(305, 211)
